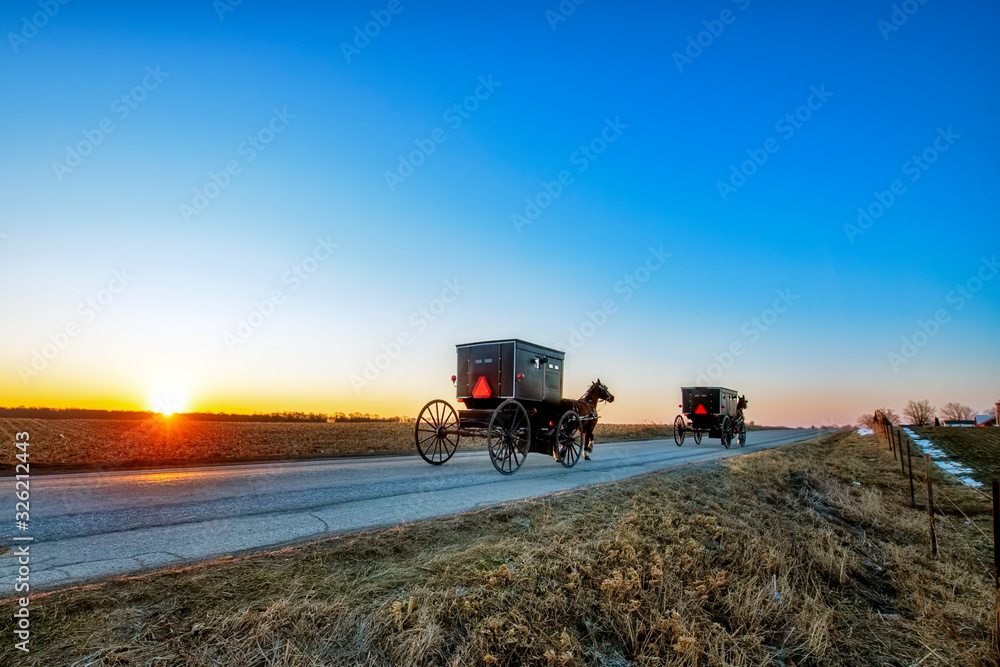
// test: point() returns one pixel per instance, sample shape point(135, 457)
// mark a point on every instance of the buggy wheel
point(509, 436)
point(742, 434)
point(569, 438)
point(679, 429)
point(697, 436)
point(435, 432)
point(727, 432)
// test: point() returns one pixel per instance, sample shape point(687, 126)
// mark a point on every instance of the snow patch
point(865, 431)
point(955, 468)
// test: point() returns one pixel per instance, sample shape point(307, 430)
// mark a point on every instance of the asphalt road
point(96, 525)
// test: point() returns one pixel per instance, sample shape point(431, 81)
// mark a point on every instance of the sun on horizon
point(168, 403)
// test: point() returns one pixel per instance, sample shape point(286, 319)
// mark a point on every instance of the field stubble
point(87, 441)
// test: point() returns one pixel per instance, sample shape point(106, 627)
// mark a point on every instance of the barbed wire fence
point(902, 445)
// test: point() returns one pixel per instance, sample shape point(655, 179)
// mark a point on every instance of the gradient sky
point(162, 339)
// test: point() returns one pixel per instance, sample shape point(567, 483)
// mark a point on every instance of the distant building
point(986, 420)
point(959, 422)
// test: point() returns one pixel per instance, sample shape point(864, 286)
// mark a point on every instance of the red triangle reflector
point(482, 388)
point(700, 410)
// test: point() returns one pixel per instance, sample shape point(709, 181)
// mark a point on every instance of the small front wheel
point(679, 428)
point(569, 439)
point(727, 432)
point(436, 432)
point(697, 436)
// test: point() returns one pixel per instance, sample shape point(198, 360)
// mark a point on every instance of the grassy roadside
point(774, 558)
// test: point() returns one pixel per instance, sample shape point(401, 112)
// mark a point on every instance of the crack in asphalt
point(135, 557)
point(326, 526)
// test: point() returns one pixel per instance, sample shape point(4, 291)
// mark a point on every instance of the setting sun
point(168, 401)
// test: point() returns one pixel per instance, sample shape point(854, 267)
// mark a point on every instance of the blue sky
point(888, 95)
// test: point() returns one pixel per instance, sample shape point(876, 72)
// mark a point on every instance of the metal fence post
point(899, 441)
point(909, 464)
point(930, 502)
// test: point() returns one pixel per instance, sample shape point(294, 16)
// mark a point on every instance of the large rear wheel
point(509, 437)
point(437, 432)
point(679, 428)
point(727, 432)
point(569, 438)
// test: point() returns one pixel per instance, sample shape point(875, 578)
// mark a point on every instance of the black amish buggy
point(512, 393)
point(717, 411)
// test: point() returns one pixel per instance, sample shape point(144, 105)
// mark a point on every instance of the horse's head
point(741, 403)
point(602, 392)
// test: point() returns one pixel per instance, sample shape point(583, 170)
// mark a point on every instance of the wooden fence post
point(909, 464)
point(892, 443)
point(930, 502)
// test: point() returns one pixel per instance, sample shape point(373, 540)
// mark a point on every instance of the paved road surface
point(96, 525)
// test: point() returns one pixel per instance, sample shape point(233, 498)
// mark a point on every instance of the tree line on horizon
point(22, 412)
point(922, 413)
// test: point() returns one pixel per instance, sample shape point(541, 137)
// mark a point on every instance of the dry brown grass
point(774, 558)
point(624, 432)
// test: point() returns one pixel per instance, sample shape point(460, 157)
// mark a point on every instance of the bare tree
point(956, 411)
point(866, 420)
point(919, 412)
point(890, 414)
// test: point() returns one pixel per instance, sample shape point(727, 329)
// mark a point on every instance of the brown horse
point(740, 404)
point(586, 407)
